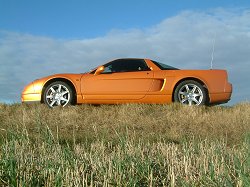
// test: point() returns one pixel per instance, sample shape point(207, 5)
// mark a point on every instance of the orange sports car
point(132, 81)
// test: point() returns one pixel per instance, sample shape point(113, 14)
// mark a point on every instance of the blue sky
point(94, 18)
point(38, 38)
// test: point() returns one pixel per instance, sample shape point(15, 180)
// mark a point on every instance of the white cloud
point(184, 40)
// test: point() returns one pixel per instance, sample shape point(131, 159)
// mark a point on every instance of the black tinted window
point(164, 66)
point(126, 65)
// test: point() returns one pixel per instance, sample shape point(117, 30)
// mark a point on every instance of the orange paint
point(148, 86)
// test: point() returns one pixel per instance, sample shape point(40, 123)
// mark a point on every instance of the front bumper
point(31, 97)
point(32, 92)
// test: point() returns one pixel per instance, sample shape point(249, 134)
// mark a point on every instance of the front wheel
point(190, 92)
point(58, 94)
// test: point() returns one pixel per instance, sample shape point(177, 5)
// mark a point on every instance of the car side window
point(126, 65)
point(108, 69)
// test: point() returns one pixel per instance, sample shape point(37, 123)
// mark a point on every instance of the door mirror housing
point(99, 70)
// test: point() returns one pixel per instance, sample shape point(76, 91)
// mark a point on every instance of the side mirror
point(99, 70)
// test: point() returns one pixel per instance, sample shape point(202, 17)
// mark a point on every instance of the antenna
point(212, 56)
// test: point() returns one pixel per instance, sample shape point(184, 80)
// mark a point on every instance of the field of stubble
point(124, 145)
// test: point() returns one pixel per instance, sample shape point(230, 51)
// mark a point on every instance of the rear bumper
point(220, 98)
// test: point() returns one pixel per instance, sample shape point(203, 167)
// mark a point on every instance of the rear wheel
point(58, 94)
point(190, 92)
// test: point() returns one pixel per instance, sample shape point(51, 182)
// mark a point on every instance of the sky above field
point(39, 38)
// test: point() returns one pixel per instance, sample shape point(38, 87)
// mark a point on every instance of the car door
point(121, 79)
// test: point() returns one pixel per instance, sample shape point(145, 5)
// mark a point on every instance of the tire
point(190, 92)
point(58, 94)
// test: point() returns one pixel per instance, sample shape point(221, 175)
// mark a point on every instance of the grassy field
point(125, 145)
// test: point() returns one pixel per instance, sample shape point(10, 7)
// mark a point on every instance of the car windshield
point(164, 66)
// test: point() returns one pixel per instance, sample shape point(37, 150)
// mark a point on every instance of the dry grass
point(125, 145)
point(148, 122)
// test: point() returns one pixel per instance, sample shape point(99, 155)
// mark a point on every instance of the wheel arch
point(194, 79)
point(67, 81)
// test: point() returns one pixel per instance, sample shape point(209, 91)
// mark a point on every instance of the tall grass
point(125, 145)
